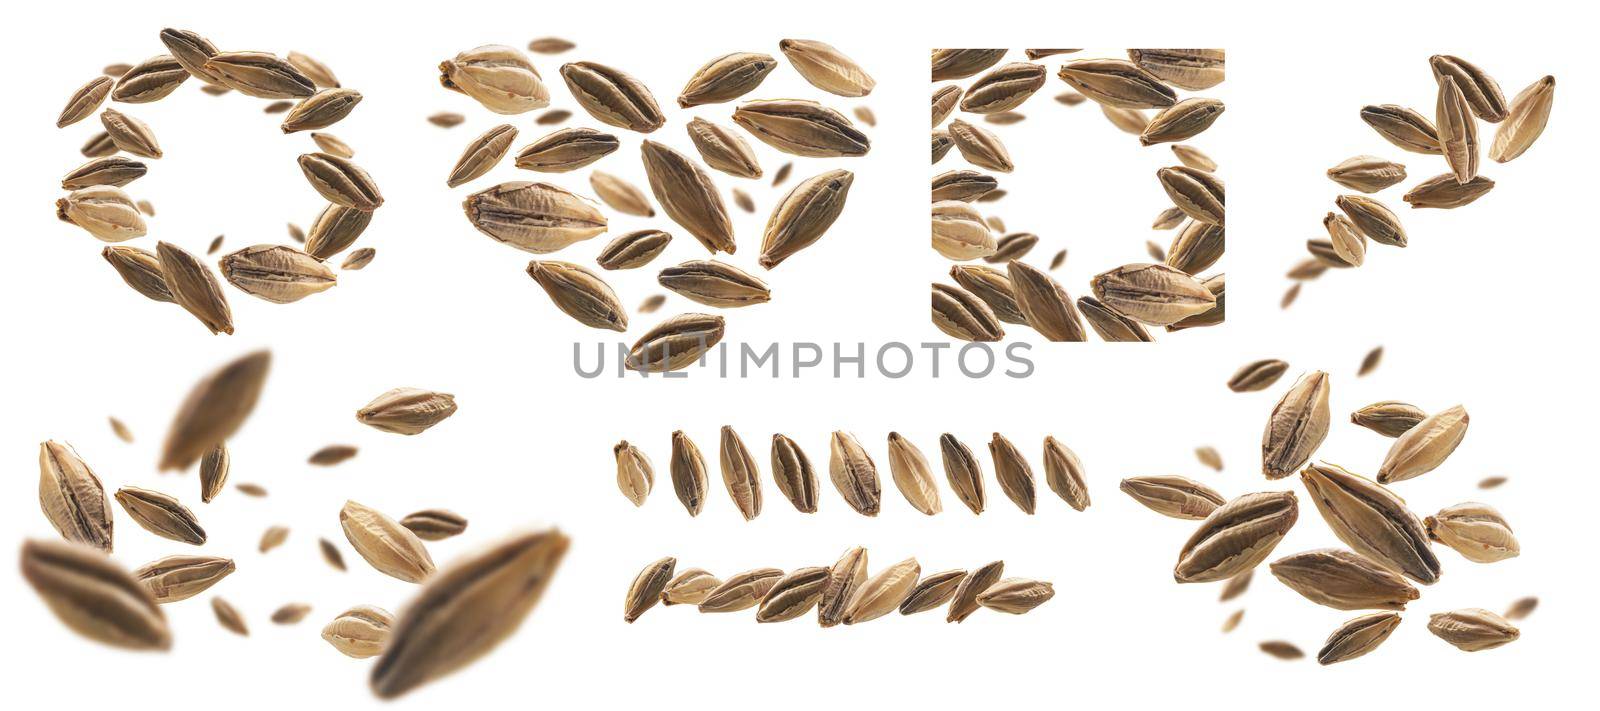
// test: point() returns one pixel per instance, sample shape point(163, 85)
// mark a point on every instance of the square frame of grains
point(1052, 222)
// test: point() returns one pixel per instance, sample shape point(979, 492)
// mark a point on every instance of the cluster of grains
point(854, 474)
point(311, 98)
point(542, 217)
point(843, 593)
point(1389, 548)
point(1127, 300)
point(1465, 95)
point(460, 612)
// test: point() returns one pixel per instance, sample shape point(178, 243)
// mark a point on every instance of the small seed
point(435, 524)
point(1258, 375)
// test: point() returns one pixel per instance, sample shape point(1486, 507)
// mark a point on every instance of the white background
point(1478, 310)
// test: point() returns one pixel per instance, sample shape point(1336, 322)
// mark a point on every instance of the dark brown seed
point(633, 250)
point(993, 287)
point(688, 473)
point(1370, 362)
point(613, 97)
point(963, 316)
point(332, 454)
point(1258, 375)
point(140, 269)
point(932, 591)
point(1403, 127)
point(792, 471)
point(1110, 325)
point(1282, 650)
point(331, 554)
point(1357, 637)
point(94, 596)
point(161, 514)
point(963, 472)
point(435, 524)
point(794, 595)
point(1236, 537)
